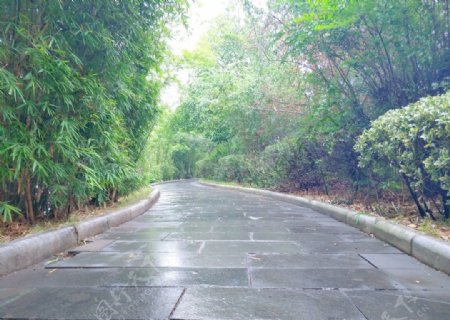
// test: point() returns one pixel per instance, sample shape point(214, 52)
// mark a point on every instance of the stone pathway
point(207, 253)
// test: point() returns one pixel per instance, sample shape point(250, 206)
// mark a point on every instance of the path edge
point(22, 253)
point(431, 251)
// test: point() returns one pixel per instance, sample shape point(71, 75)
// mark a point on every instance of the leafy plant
point(8, 211)
point(415, 140)
point(76, 99)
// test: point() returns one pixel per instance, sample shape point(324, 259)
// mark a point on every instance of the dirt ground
point(398, 208)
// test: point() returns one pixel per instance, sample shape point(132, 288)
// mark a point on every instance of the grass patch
point(428, 227)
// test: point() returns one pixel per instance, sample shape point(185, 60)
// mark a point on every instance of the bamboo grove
point(78, 87)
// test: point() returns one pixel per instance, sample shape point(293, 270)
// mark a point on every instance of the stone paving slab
point(283, 225)
point(333, 223)
point(39, 277)
point(232, 236)
point(206, 254)
point(92, 303)
point(168, 218)
point(180, 277)
point(154, 246)
point(144, 236)
point(92, 246)
point(180, 228)
point(377, 305)
point(322, 279)
point(230, 224)
point(289, 236)
point(248, 304)
point(126, 277)
point(250, 228)
point(359, 237)
point(324, 229)
point(9, 294)
point(280, 216)
point(139, 223)
point(101, 260)
point(306, 261)
point(341, 247)
point(148, 260)
point(393, 261)
point(244, 247)
point(420, 279)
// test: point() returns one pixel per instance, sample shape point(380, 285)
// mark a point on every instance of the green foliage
point(171, 154)
point(381, 49)
point(206, 167)
point(415, 140)
point(8, 211)
point(274, 164)
point(361, 59)
point(233, 168)
point(280, 97)
point(76, 99)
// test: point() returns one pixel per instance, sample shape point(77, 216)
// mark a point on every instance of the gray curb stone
point(361, 221)
point(87, 228)
point(22, 253)
point(394, 234)
point(433, 252)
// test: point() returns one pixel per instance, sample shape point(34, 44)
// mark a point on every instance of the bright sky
point(200, 18)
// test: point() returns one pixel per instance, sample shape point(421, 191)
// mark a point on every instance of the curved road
point(208, 253)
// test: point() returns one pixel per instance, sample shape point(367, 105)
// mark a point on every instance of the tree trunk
point(28, 198)
point(414, 196)
point(445, 205)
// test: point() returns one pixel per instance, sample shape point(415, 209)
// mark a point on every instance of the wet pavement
point(208, 253)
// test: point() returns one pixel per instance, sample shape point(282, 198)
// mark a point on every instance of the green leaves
point(8, 86)
point(328, 14)
point(75, 105)
point(8, 212)
point(415, 141)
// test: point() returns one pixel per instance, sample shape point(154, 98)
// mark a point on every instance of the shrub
point(205, 168)
point(414, 140)
point(272, 166)
point(233, 168)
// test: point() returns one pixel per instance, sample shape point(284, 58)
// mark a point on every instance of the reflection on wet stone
point(209, 253)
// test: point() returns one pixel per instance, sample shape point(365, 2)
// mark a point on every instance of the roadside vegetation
point(79, 83)
point(343, 100)
point(20, 228)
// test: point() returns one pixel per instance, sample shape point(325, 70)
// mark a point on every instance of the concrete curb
point(431, 251)
point(22, 253)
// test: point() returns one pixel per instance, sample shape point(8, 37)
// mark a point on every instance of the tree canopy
point(280, 96)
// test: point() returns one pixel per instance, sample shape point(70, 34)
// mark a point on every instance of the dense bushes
point(233, 168)
point(272, 166)
point(415, 141)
